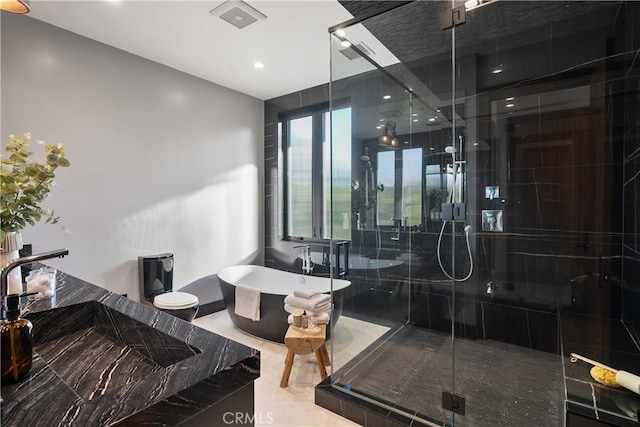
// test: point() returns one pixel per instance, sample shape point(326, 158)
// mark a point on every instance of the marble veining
point(103, 359)
point(92, 364)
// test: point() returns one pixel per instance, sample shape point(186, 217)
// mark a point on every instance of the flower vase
point(11, 246)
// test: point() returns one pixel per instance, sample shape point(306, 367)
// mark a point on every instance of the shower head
point(450, 149)
point(364, 158)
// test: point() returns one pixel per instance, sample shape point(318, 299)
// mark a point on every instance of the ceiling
point(292, 42)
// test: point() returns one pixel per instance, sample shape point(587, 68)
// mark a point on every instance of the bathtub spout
point(397, 224)
point(307, 264)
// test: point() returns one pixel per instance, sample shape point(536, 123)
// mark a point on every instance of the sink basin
point(94, 348)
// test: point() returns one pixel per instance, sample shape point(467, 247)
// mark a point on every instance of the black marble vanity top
point(613, 343)
point(103, 359)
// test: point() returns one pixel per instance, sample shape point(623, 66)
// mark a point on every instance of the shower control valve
point(491, 287)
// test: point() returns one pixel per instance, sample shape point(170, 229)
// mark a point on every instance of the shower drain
point(416, 367)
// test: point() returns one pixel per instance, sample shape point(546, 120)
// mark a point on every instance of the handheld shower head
point(364, 158)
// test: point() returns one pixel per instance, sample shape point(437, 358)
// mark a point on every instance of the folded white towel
point(310, 304)
point(322, 309)
point(320, 319)
point(248, 302)
point(303, 293)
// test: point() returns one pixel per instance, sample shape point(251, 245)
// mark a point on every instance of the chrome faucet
point(30, 259)
point(397, 224)
point(307, 264)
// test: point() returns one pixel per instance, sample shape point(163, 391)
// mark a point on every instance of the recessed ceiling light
point(438, 110)
point(341, 33)
point(497, 70)
point(258, 65)
point(432, 119)
point(415, 120)
point(345, 43)
point(470, 4)
point(414, 114)
point(476, 144)
point(379, 127)
point(432, 149)
point(510, 105)
point(509, 98)
point(386, 97)
point(381, 120)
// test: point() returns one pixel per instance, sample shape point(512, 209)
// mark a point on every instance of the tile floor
point(294, 405)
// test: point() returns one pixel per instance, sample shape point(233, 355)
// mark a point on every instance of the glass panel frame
point(385, 267)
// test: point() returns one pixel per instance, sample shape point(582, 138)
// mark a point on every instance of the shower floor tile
point(502, 384)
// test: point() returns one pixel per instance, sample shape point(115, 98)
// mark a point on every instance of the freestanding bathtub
point(274, 286)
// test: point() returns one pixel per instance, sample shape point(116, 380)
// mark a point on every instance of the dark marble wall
point(630, 283)
point(566, 164)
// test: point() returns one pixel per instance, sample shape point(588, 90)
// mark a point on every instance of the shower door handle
point(453, 403)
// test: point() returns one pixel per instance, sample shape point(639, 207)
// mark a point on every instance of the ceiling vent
point(391, 114)
point(237, 13)
point(360, 48)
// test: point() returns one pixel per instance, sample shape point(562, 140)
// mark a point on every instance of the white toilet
point(156, 277)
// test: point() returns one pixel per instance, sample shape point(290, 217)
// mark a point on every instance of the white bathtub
point(274, 286)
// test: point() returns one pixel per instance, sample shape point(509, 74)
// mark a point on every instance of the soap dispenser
point(16, 335)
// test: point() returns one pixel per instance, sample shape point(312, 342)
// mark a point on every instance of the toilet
point(156, 278)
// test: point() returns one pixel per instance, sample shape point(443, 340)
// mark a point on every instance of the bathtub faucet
point(307, 264)
point(397, 224)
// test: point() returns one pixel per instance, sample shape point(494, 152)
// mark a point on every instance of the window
point(387, 179)
point(309, 193)
point(400, 179)
point(300, 174)
point(412, 186)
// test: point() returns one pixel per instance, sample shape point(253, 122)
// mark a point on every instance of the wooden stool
point(300, 343)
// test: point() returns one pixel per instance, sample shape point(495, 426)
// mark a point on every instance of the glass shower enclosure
point(490, 198)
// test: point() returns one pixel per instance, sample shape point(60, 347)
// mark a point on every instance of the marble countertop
point(168, 393)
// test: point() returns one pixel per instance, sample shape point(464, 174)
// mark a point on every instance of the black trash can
point(156, 274)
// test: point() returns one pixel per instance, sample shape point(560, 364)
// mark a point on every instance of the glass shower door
point(540, 90)
point(505, 370)
point(518, 124)
point(401, 174)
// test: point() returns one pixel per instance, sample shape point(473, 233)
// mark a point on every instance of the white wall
point(160, 161)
